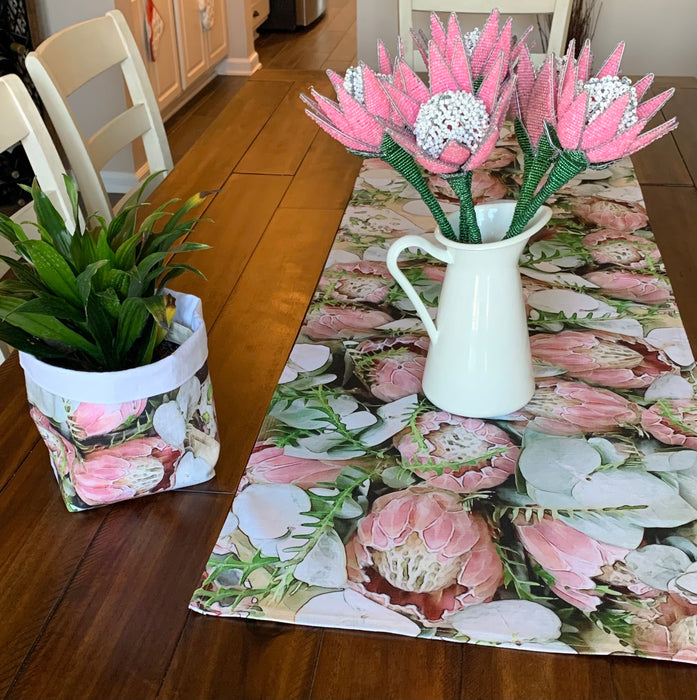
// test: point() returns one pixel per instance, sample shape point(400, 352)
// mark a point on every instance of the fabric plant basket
point(114, 436)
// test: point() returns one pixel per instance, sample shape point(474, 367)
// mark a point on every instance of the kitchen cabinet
point(200, 48)
point(188, 49)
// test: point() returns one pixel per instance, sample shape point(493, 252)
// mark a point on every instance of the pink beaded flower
point(603, 116)
point(358, 120)
point(481, 46)
point(449, 126)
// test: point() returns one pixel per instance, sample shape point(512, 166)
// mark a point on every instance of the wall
point(661, 36)
point(242, 57)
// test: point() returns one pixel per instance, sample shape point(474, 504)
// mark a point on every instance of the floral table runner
point(569, 526)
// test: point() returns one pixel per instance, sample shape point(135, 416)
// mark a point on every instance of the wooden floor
point(330, 42)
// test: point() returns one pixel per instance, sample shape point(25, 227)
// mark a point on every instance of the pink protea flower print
point(571, 557)
point(499, 158)
point(632, 286)
point(134, 468)
point(677, 641)
point(359, 118)
point(672, 422)
point(270, 465)
point(450, 438)
point(420, 551)
point(449, 128)
point(90, 419)
point(668, 629)
point(392, 368)
point(608, 247)
point(619, 216)
point(61, 452)
point(326, 322)
point(616, 362)
point(572, 408)
point(366, 281)
point(486, 187)
point(434, 272)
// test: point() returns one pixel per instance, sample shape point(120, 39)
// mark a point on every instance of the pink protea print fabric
point(569, 526)
point(105, 453)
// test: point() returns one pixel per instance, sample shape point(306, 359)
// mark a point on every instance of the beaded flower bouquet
point(565, 122)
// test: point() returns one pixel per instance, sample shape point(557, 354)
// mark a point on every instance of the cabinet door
point(193, 52)
point(216, 36)
point(163, 72)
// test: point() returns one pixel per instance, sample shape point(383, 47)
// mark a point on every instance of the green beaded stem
point(394, 155)
point(535, 167)
point(568, 165)
point(469, 228)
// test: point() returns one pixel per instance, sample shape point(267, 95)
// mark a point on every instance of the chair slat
point(114, 135)
point(80, 53)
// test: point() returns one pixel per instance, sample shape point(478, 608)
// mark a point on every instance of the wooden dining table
point(94, 604)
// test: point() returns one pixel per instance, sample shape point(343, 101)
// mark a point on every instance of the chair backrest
point(20, 122)
point(560, 10)
point(65, 62)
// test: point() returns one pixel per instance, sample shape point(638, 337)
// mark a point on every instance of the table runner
point(569, 526)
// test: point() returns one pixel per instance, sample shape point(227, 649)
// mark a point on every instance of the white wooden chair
point(560, 10)
point(20, 122)
point(65, 62)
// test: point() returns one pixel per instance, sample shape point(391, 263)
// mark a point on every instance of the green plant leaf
point(101, 326)
point(53, 307)
point(191, 203)
point(161, 307)
point(122, 226)
point(20, 340)
point(53, 270)
point(132, 322)
point(119, 281)
point(145, 356)
point(24, 272)
point(174, 271)
point(16, 288)
point(110, 302)
point(163, 242)
point(71, 189)
point(44, 327)
point(84, 279)
point(126, 254)
point(51, 221)
point(11, 230)
point(104, 251)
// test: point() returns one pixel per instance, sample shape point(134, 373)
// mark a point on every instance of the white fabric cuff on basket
point(130, 384)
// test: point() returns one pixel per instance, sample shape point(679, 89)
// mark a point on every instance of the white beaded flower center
point(353, 82)
point(451, 116)
point(470, 40)
point(603, 91)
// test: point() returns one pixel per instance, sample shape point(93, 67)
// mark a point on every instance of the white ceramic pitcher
point(479, 363)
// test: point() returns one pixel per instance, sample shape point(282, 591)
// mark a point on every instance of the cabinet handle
point(255, 13)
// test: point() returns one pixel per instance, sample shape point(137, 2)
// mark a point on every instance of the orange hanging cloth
point(154, 26)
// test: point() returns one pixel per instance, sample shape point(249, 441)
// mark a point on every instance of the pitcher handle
point(433, 249)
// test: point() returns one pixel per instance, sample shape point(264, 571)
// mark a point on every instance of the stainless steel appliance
point(287, 15)
point(307, 11)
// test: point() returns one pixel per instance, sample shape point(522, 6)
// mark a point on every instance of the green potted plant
point(114, 362)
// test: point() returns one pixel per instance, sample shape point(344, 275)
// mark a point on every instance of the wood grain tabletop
point(94, 604)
